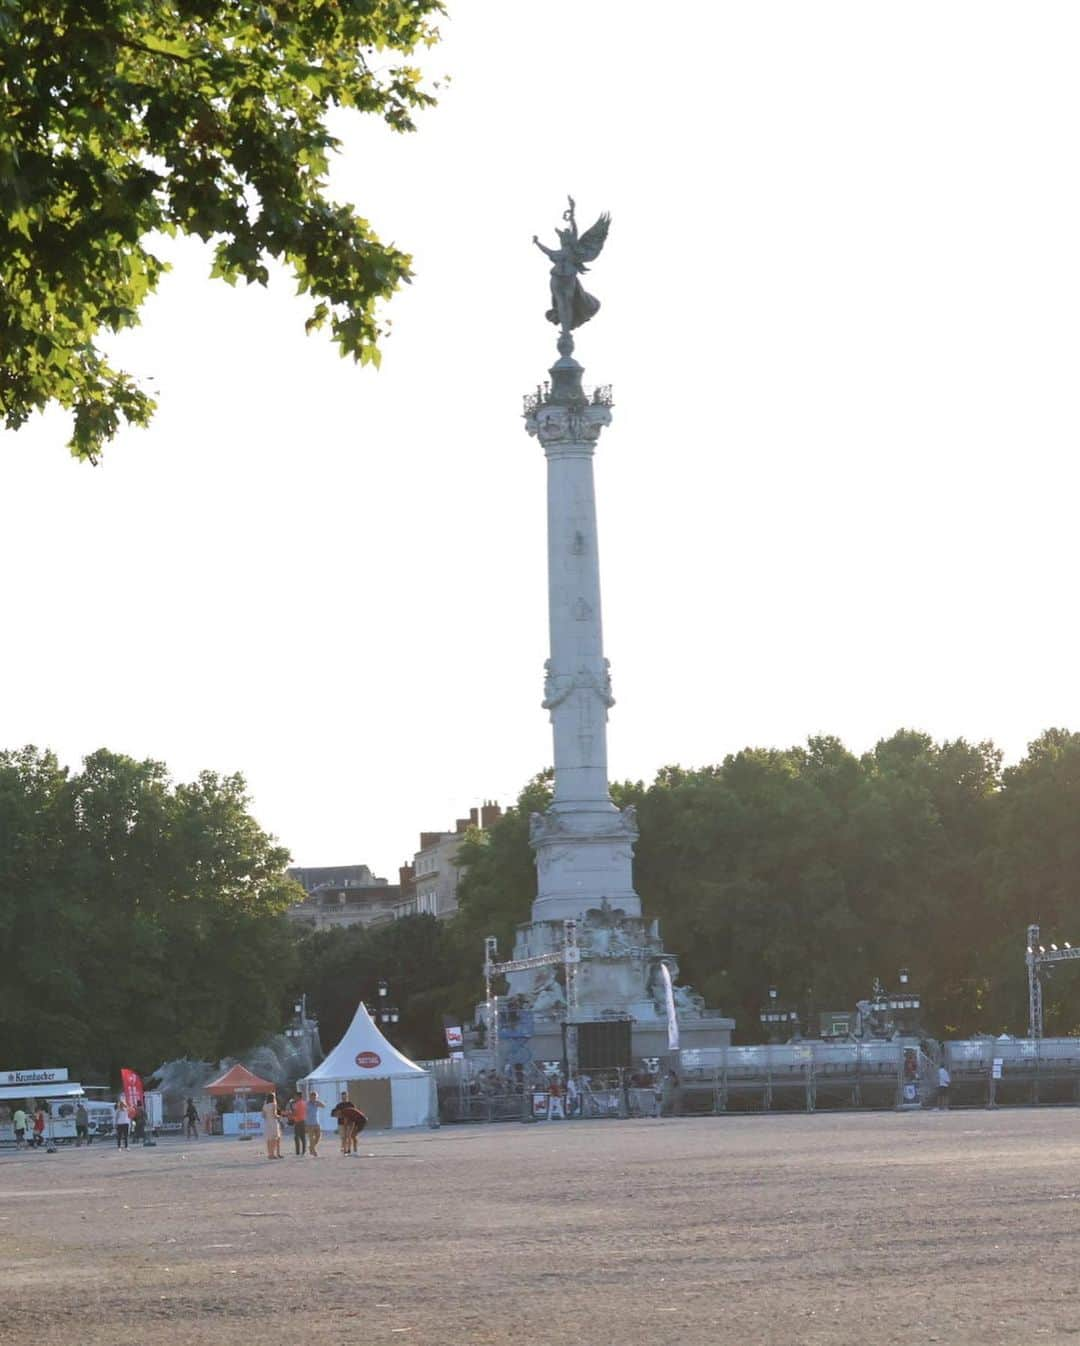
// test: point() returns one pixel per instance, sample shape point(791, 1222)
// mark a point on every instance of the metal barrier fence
point(1001, 1072)
point(483, 1096)
point(808, 1076)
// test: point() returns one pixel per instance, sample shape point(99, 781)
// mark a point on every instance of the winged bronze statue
point(571, 304)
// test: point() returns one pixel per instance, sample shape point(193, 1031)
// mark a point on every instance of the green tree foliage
point(498, 884)
point(1034, 874)
point(413, 956)
point(817, 871)
point(139, 920)
point(128, 118)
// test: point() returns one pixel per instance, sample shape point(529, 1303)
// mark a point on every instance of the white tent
point(385, 1085)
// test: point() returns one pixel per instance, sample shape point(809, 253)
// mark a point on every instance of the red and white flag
point(132, 1088)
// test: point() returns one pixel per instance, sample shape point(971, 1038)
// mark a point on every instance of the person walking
point(357, 1122)
point(191, 1120)
point(344, 1126)
point(351, 1121)
point(122, 1123)
point(315, 1107)
point(272, 1127)
point(298, 1112)
point(19, 1121)
point(39, 1128)
point(944, 1079)
point(82, 1125)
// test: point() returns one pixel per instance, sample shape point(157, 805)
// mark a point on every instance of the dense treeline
point(142, 920)
point(139, 920)
point(817, 870)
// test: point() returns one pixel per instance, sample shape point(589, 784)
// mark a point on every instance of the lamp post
point(296, 1028)
point(894, 1012)
point(777, 1019)
point(905, 1006)
point(386, 1013)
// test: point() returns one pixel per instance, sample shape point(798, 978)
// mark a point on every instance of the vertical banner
point(669, 1000)
point(131, 1086)
point(454, 1035)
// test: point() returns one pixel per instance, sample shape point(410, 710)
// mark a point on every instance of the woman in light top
point(121, 1123)
point(272, 1127)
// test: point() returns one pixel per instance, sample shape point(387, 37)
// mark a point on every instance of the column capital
point(561, 427)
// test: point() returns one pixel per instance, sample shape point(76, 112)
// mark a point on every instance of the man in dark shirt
point(351, 1121)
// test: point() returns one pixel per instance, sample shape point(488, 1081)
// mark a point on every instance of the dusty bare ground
point(866, 1228)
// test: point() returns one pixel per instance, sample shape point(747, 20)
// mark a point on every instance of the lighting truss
point(1037, 957)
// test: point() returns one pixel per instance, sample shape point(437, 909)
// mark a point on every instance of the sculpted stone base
point(618, 977)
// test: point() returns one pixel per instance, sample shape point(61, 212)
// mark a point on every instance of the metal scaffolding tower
point(1037, 957)
point(569, 955)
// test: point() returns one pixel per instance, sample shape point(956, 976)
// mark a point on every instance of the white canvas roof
point(10, 1092)
point(364, 1043)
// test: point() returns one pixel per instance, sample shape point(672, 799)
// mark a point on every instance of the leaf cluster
point(123, 119)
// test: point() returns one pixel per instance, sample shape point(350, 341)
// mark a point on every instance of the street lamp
point(774, 1018)
point(386, 1013)
point(296, 1028)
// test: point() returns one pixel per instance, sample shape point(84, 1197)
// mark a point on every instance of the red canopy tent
point(240, 1081)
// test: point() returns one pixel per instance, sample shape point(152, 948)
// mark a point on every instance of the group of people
point(29, 1128)
point(305, 1116)
point(31, 1125)
point(129, 1119)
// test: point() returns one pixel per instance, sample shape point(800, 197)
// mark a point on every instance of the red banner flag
point(132, 1088)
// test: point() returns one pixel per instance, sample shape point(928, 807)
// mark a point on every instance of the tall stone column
point(583, 843)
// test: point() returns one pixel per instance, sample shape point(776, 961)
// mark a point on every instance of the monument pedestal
point(618, 981)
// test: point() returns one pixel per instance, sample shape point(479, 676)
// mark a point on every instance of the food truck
point(50, 1088)
point(30, 1089)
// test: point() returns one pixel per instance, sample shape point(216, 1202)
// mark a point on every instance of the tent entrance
point(372, 1097)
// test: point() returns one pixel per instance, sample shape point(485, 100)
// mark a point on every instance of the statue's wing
point(592, 240)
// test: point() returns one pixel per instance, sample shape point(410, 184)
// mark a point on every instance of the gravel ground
point(780, 1230)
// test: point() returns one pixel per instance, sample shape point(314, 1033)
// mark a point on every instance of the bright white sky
point(841, 313)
